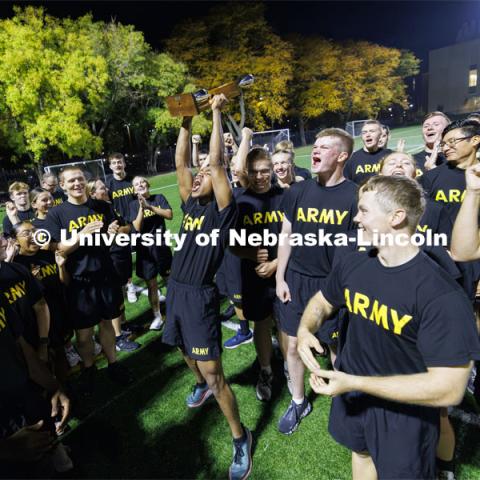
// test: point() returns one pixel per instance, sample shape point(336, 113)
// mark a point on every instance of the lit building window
point(472, 78)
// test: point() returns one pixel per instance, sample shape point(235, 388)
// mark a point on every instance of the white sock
point(298, 401)
point(157, 315)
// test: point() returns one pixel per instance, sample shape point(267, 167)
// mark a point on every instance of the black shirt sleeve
point(333, 291)
point(447, 335)
point(163, 202)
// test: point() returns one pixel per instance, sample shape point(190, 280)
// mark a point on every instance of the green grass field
point(146, 431)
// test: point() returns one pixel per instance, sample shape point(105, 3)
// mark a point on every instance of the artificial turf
point(146, 431)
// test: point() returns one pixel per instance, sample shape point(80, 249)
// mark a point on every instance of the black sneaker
point(123, 344)
point(119, 374)
point(293, 416)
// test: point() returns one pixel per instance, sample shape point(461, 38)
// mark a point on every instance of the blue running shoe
point(238, 339)
point(200, 394)
point(293, 416)
point(242, 458)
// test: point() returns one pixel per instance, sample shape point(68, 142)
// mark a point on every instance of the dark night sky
point(415, 25)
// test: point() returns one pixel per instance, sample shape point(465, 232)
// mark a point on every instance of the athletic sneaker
point(264, 386)
point(242, 458)
point(123, 344)
point(97, 348)
point(119, 374)
point(238, 339)
point(157, 323)
point(445, 475)
point(292, 417)
point(161, 297)
point(200, 394)
point(287, 378)
point(73, 358)
point(131, 293)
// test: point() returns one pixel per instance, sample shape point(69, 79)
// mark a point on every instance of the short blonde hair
point(398, 192)
point(381, 162)
point(18, 187)
point(344, 138)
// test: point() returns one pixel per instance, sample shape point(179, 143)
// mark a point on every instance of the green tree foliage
point(232, 40)
point(51, 80)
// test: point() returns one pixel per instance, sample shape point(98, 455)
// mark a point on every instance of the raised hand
point(472, 177)
point(218, 101)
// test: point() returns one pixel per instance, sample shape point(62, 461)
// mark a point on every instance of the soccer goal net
point(270, 138)
point(92, 168)
point(355, 128)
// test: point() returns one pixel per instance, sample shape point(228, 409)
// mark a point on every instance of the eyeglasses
point(26, 233)
point(453, 141)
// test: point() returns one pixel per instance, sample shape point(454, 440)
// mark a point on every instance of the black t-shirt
point(58, 197)
point(436, 219)
point(121, 193)
point(310, 207)
point(193, 264)
point(420, 159)
point(151, 221)
point(21, 291)
point(302, 172)
point(402, 319)
point(22, 216)
point(14, 370)
point(259, 212)
point(85, 261)
point(53, 288)
point(445, 184)
point(362, 165)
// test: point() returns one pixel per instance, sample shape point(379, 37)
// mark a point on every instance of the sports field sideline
point(146, 431)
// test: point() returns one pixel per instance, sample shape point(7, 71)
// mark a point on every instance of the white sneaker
point(157, 323)
point(61, 461)
point(97, 348)
point(131, 293)
point(73, 358)
point(137, 288)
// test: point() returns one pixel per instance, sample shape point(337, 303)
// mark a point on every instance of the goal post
point(92, 168)
point(354, 128)
point(269, 138)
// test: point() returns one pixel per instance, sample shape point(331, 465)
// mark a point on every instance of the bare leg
point(106, 335)
point(192, 364)
point(153, 295)
point(117, 324)
point(262, 337)
point(296, 369)
point(212, 371)
point(85, 345)
point(363, 467)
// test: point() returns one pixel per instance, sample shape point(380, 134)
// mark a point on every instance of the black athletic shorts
point(229, 278)
point(193, 320)
point(90, 301)
point(152, 261)
point(401, 439)
point(122, 263)
point(302, 289)
point(258, 295)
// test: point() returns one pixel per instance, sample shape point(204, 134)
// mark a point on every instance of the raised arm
point(221, 185)
point(465, 236)
point(183, 161)
point(241, 156)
